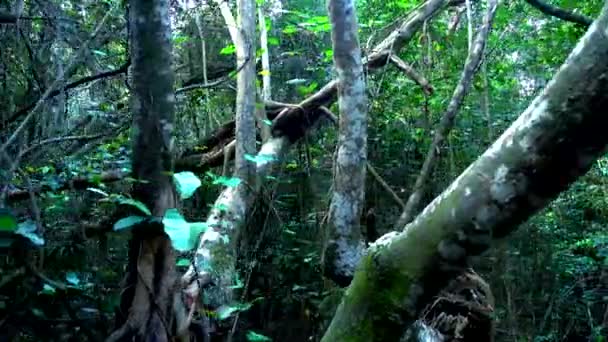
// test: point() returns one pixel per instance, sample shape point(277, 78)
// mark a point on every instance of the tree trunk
point(151, 309)
point(345, 245)
point(554, 141)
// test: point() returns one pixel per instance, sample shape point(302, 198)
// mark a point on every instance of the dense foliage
point(65, 158)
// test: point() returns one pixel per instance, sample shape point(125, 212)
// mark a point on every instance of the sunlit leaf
point(228, 50)
point(229, 182)
point(72, 278)
point(186, 183)
point(178, 230)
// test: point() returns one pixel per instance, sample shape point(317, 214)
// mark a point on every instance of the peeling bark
point(345, 245)
point(447, 121)
point(553, 142)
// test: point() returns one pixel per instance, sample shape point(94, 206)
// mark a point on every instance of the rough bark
point(553, 142)
point(150, 307)
point(345, 245)
point(560, 13)
point(447, 121)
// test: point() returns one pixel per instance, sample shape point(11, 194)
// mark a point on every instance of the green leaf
point(229, 182)
point(47, 289)
point(227, 310)
point(178, 230)
point(8, 222)
point(128, 222)
point(228, 50)
point(273, 41)
point(137, 204)
point(255, 337)
point(260, 158)
point(197, 228)
point(290, 29)
point(183, 262)
point(186, 183)
point(29, 230)
point(72, 278)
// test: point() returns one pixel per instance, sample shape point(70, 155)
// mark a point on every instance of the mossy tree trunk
point(553, 142)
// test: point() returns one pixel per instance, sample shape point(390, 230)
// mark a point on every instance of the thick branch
point(560, 13)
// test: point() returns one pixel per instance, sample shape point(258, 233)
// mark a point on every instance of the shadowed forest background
point(217, 170)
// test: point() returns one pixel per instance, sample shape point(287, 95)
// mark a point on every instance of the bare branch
point(560, 13)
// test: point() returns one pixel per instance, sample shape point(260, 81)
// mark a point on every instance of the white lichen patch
point(502, 189)
point(467, 191)
point(383, 241)
point(535, 113)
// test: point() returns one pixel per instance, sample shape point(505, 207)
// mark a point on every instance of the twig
point(385, 185)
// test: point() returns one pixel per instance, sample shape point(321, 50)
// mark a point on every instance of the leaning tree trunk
point(553, 142)
point(345, 246)
point(149, 302)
